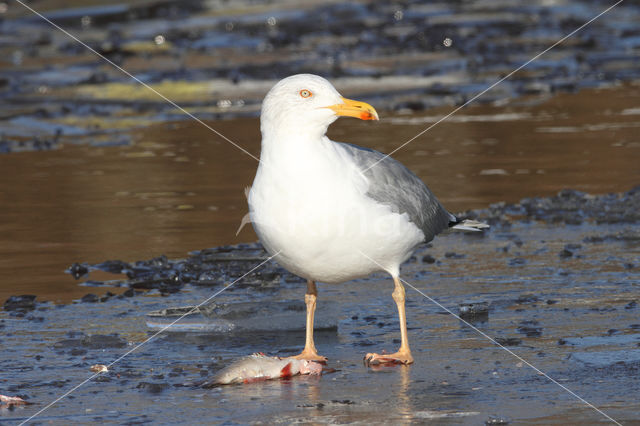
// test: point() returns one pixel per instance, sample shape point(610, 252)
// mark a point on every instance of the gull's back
point(393, 184)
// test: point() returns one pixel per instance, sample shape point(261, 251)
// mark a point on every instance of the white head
point(308, 103)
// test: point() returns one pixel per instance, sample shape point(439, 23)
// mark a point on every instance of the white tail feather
point(470, 225)
point(247, 217)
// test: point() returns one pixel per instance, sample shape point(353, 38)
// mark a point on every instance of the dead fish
point(10, 401)
point(259, 367)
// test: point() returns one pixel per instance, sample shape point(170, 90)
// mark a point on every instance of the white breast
point(308, 204)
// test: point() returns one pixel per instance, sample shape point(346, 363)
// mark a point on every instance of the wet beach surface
point(555, 280)
point(218, 59)
point(103, 179)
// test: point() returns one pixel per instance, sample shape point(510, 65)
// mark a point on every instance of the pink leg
point(309, 352)
point(403, 356)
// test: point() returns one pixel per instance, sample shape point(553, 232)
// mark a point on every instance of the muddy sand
point(102, 177)
point(555, 281)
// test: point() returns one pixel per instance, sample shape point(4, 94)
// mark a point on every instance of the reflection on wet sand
point(401, 393)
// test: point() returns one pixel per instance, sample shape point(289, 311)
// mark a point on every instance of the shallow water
point(179, 188)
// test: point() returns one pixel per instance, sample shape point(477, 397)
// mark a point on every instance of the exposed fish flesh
point(259, 367)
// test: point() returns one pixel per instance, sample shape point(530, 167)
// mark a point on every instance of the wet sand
point(561, 296)
point(96, 168)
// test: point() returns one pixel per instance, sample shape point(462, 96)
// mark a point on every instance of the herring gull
point(331, 212)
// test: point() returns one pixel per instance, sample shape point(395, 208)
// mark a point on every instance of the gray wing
point(393, 184)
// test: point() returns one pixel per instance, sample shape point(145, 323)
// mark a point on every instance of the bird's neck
point(279, 129)
point(294, 147)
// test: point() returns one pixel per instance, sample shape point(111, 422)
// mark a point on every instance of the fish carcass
point(259, 367)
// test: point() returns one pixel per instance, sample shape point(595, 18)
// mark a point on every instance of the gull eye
point(306, 93)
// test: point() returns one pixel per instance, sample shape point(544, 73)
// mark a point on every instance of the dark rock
point(508, 341)
point(565, 254)
point(517, 261)
point(152, 387)
point(78, 270)
point(90, 298)
point(530, 328)
point(428, 259)
point(113, 266)
point(175, 372)
point(318, 405)
point(572, 207)
point(145, 284)
point(34, 318)
point(593, 239)
point(474, 311)
point(26, 302)
point(343, 401)
point(527, 298)
point(452, 255)
point(160, 261)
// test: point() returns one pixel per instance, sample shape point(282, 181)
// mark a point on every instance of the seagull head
point(308, 103)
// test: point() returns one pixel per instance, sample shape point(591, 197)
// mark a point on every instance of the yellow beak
point(357, 109)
